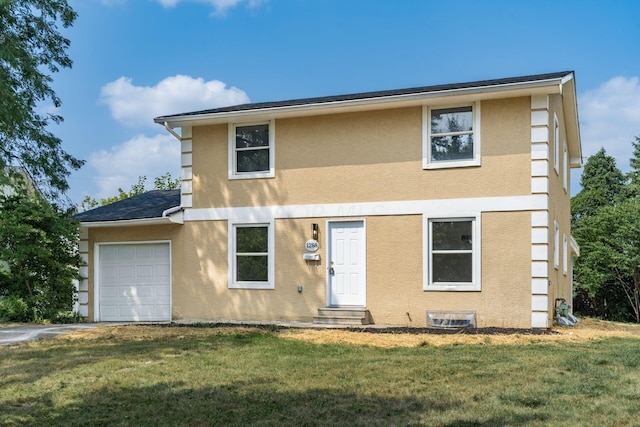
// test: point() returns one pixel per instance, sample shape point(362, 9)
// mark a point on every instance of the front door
point(346, 266)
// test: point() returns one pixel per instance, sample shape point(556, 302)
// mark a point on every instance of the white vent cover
point(451, 319)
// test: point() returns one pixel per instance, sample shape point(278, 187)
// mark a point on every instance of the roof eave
point(546, 86)
point(128, 222)
point(570, 106)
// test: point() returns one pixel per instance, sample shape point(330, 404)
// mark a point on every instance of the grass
point(142, 375)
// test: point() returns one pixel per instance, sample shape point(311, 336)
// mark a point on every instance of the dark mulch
point(456, 331)
point(379, 330)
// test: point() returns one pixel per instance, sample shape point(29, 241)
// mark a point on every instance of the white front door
point(346, 266)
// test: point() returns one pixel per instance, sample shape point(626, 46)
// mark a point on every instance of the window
point(451, 136)
point(251, 150)
point(565, 254)
point(565, 167)
point(556, 144)
point(452, 254)
point(251, 256)
point(556, 245)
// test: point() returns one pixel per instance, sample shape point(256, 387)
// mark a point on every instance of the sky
point(138, 59)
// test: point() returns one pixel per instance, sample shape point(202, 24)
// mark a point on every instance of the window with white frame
point(556, 245)
point(565, 167)
point(251, 256)
point(451, 136)
point(452, 256)
point(251, 150)
point(565, 254)
point(556, 144)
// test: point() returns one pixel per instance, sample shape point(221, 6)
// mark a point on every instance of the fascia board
point(548, 86)
point(570, 106)
point(127, 222)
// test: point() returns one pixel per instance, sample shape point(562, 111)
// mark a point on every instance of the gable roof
point(150, 205)
point(538, 84)
point(421, 90)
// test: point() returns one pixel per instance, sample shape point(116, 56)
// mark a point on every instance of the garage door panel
point(135, 282)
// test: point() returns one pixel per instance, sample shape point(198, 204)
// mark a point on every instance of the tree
point(37, 247)
point(611, 252)
point(163, 182)
point(606, 225)
point(602, 185)
point(30, 48)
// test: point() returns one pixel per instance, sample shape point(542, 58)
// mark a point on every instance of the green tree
point(163, 182)
point(39, 254)
point(605, 219)
point(610, 254)
point(31, 48)
point(602, 185)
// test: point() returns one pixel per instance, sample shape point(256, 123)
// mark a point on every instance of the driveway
point(20, 333)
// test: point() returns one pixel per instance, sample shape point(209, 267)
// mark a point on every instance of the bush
point(67, 317)
point(14, 309)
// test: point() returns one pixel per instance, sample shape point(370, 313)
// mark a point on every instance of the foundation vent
point(451, 319)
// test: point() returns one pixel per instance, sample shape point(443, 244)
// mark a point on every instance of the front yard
point(190, 376)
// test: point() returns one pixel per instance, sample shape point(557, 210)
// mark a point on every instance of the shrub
point(14, 309)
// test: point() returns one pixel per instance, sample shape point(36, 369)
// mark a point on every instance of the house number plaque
point(312, 245)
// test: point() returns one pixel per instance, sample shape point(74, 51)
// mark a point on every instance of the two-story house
point(399, 207)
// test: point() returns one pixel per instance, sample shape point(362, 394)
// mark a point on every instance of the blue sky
point(137, 59)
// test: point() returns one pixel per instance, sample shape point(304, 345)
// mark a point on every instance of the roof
point(371, 95)
point(151, 204)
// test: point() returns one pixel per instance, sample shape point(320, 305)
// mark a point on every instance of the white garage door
point(134, 282)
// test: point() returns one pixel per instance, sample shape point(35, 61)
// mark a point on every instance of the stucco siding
point(363, 157)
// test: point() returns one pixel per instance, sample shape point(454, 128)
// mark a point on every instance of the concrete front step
point(342, 316)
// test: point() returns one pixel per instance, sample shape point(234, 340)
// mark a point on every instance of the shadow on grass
point(29, 362)
point(237, 404)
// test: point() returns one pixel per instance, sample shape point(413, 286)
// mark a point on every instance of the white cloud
point(219, 6)
point(121, 166)
point(138, 105)
point(610, 118)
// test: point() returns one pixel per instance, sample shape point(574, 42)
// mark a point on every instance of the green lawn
point(197, 377)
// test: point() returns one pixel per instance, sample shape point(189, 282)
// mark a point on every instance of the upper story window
point(251, 150)
point(451, 136)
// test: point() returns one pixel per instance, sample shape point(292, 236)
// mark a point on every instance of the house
point(416, 207)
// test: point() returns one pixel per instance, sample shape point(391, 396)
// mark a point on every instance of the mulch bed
point(379, 330)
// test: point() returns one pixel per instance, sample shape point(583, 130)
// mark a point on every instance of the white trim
point(556, 144)
point(539, 286)
point(565, 254)
point(539, 303)
point(232, 166)
point(328, 256)
point(448, 207)
point(539, 319)
point(556, 245)
point(270, 283)
point(96, 272)
point(565, 167)
point(427, 163)
point(476, 251)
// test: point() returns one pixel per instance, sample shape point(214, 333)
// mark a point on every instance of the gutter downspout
point(178, 219)
point(172, 132)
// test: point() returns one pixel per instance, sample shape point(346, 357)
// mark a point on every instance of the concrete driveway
point(20, 333)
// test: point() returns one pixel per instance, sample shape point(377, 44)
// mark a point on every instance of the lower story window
point(452, 254)
point(251, 256)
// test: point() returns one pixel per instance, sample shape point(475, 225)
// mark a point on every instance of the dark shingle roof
point(371, 95)
point(147, 205)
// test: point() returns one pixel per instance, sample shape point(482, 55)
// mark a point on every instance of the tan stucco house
point(399, 207)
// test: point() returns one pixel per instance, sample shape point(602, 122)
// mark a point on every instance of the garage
point(134, 282)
